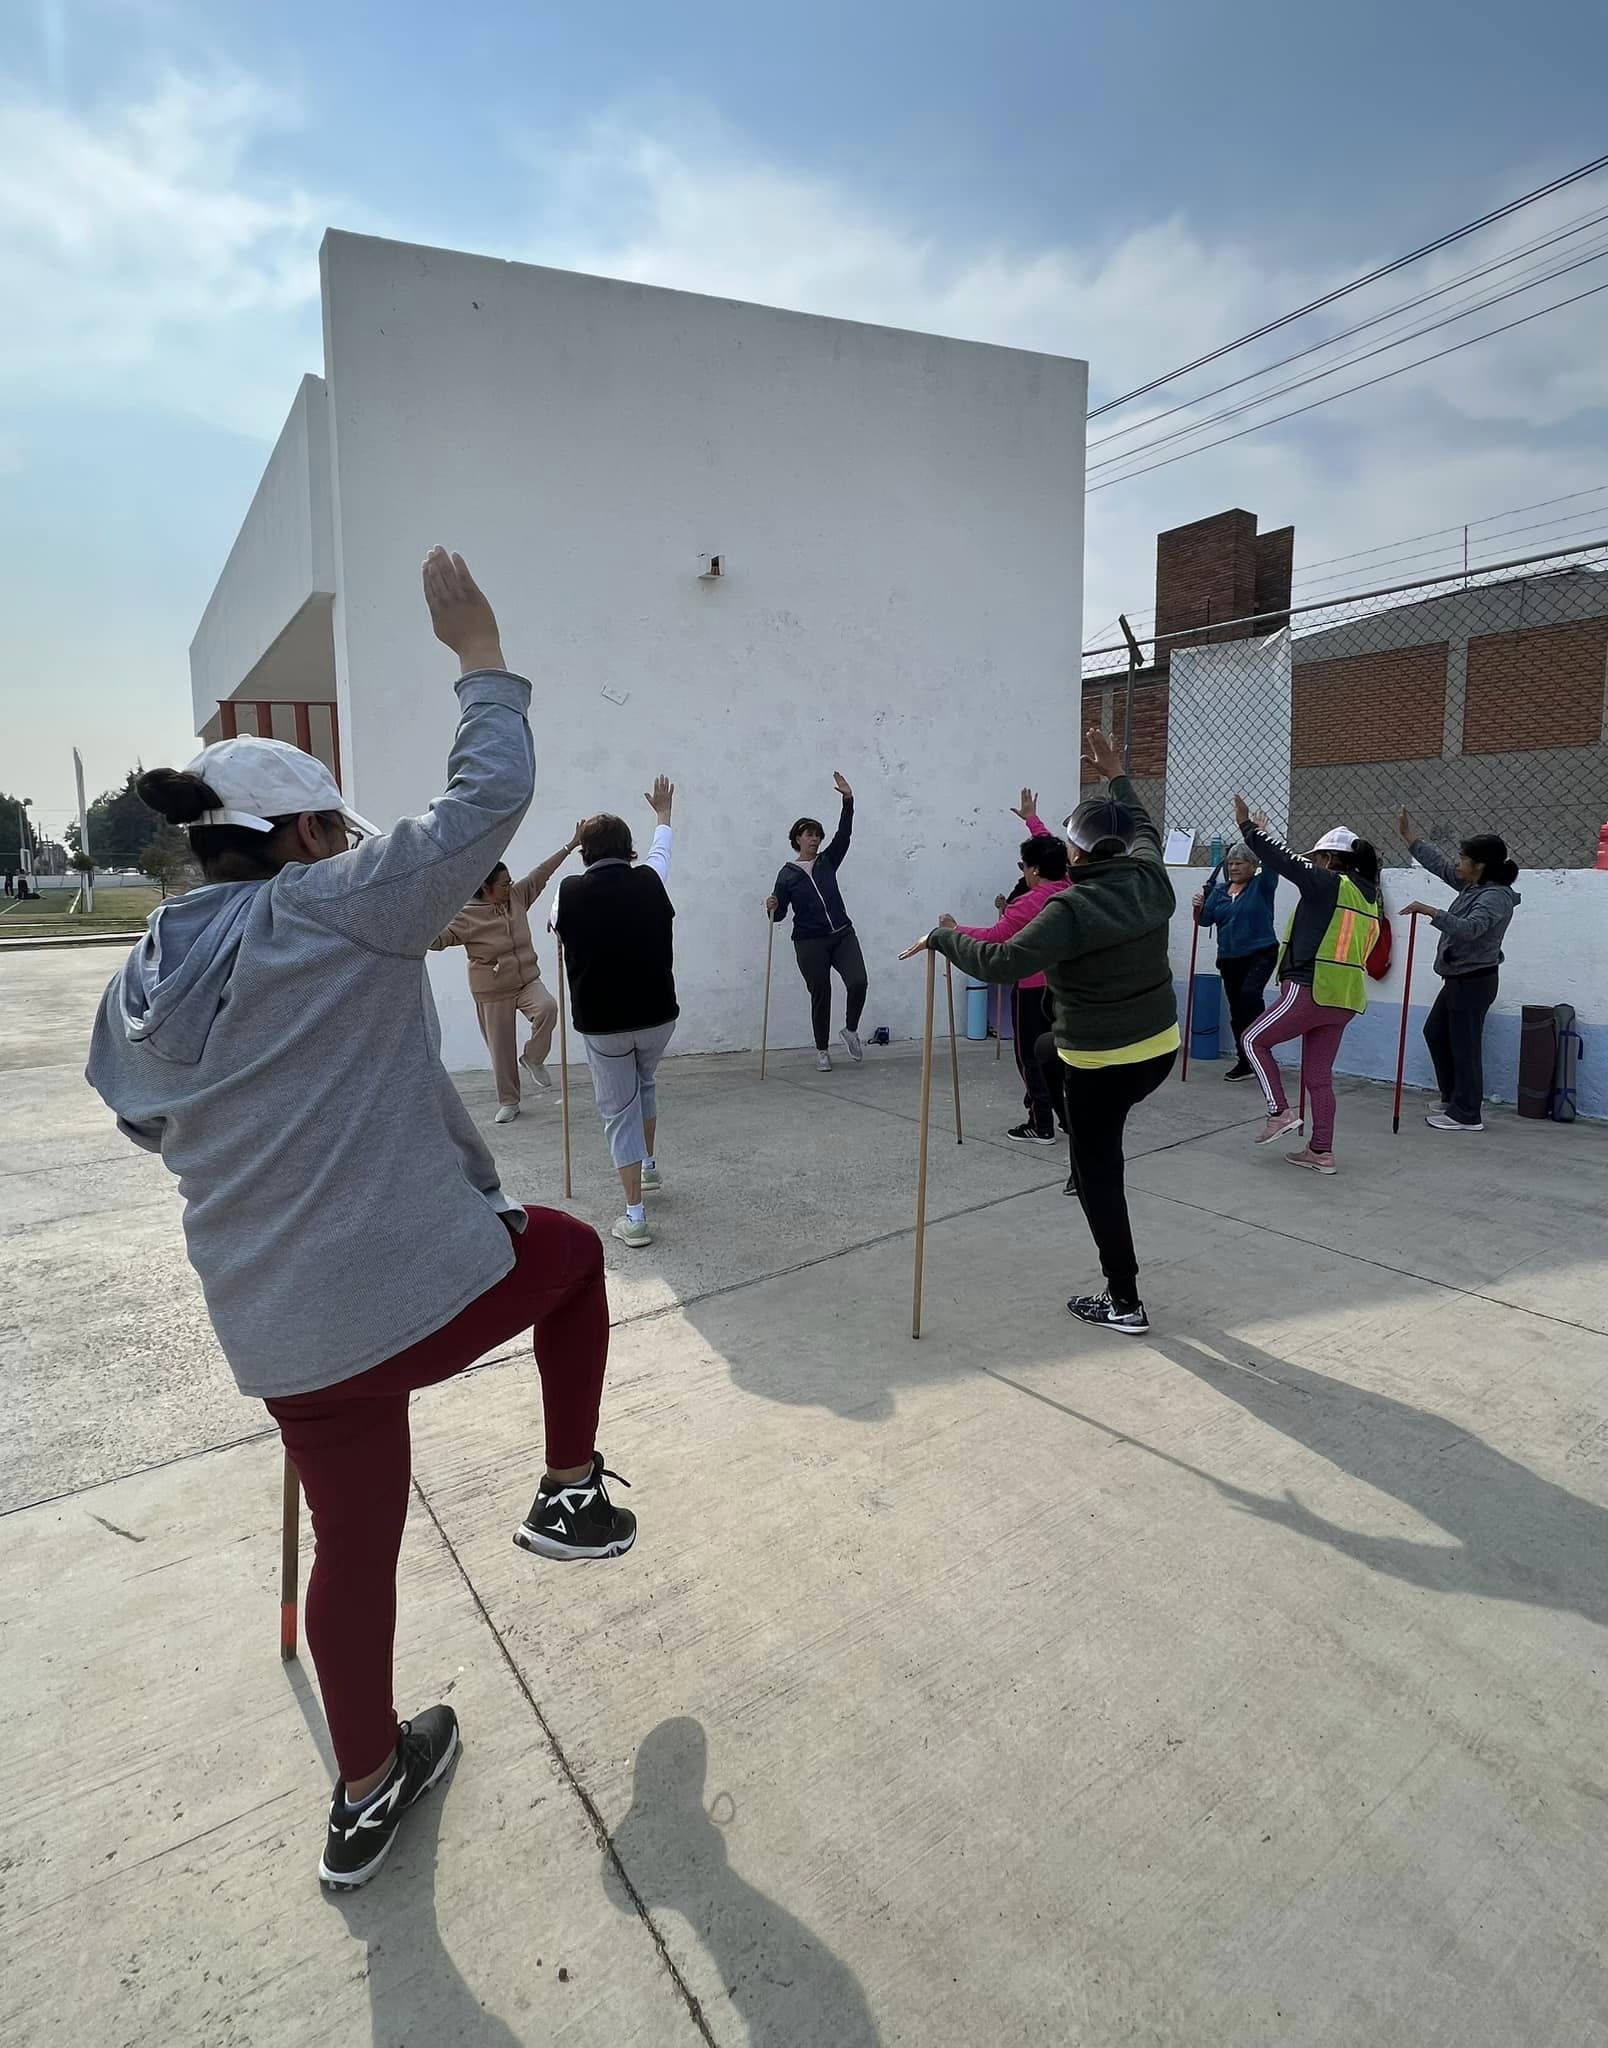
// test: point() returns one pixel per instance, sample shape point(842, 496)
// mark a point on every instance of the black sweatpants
point(1096, 1101)
point(1245, 984)
point(1030, 1020)
point(816, 960)
point(1454, 1031)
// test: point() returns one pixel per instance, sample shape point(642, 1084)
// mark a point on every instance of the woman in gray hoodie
point(1467, 959)
point(273, 1039)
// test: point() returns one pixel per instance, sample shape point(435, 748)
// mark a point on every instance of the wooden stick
point(1189, 996)
point(289, 1561)
point(764, 1022)
point(563, 1069)
point(954, 1050)
point(1401, 1042)
point(921, 1162)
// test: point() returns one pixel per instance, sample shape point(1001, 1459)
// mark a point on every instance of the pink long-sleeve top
point(1022, 912)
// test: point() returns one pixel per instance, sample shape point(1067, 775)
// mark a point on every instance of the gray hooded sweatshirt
point(1473, 927)
point(277, 1044)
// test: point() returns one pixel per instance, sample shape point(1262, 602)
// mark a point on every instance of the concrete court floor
point(1244, 1685)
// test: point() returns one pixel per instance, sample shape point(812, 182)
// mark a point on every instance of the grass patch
point(116, 910)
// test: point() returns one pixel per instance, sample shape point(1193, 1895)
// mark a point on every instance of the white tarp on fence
point(1228, 729)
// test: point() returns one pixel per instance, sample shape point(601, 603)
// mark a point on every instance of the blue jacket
point(1244, 922)
point(813, 896)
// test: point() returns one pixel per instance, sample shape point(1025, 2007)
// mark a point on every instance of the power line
point(1389, 548)
point(1371, 277)
point(1577, 226)
point(1231, 412)
point(1452, 548)
point(1384, 377)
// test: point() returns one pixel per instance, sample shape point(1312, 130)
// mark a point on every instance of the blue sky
point(1129, 182)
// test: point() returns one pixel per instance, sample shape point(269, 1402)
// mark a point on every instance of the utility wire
point(1341, 291)
point(1384, 377)
point(1381, 348)
point(1577, 226)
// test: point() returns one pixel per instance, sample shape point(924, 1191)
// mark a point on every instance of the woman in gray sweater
point(1467, 959)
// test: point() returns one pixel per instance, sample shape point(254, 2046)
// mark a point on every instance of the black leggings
point(1454, 1031)
point(816, 960)
point(1030, 1020)
point(1245, 984)
point(1096, 1102)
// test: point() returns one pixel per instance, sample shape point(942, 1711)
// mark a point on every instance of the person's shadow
point(1516, 1536)
point(789, 1990)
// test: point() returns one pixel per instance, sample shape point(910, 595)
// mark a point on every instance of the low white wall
point(1556, 952)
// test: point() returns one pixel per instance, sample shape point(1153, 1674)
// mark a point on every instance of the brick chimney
point(1218, 570)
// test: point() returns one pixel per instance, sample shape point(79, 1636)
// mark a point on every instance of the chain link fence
point(1478, 701)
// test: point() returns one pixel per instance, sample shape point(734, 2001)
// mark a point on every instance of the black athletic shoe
point(360, 1841)
point(1240, 1071)
point(1100, 1310)
point(578, 1521)
point(1024, 1134)
point(1071, 1187)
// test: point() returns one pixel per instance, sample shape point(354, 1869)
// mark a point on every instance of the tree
point(167, 858)
point(16, 830)
point(120, 826)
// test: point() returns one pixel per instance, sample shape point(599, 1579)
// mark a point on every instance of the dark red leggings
point(350, 1445)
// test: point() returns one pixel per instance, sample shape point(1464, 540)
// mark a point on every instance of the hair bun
point(176, 794)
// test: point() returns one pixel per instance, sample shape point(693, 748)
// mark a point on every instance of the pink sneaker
point(1318, 1162)
point(1277, 1126)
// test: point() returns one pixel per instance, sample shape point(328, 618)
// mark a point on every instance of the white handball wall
point(901, 519)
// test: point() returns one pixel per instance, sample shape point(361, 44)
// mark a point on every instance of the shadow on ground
point(1516, 1536)
point(787, 1987)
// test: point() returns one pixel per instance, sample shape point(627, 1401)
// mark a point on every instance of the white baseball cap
point(258, 781)
point(1341, 840)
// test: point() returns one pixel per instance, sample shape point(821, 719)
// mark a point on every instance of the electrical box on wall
point(713, 566)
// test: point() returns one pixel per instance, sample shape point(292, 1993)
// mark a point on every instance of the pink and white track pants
point(1320, 1029)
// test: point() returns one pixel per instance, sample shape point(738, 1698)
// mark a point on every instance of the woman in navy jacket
point(1241, 909)
point(823, 936)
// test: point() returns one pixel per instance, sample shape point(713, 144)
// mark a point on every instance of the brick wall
point(1275, 569)
point(1389, 706)
point(1541, 687)
point(1205, 571)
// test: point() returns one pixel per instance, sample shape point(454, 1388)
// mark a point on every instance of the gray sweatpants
point(623, 1065)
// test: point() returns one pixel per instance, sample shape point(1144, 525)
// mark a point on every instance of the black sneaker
point(1240, 1071)
point(1100, 1310)
point(1024, 1134)
point(359, 1841)
point(578, 1521)
point(1071, 1187)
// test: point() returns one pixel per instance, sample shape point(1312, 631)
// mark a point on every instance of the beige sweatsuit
point(505, 977)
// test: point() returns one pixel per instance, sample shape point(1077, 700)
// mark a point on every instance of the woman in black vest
point(615, 924)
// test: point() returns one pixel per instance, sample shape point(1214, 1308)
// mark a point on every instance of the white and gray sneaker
point(652, 1180)
point(636, 1235)
point(506, 1112)
point(539, 1075)
point(852, 1045)
point(823, 1063)
point(578, 1521)
point(1442, 1120)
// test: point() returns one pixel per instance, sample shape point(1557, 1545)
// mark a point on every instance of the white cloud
point(147, 260)
point(677, 202)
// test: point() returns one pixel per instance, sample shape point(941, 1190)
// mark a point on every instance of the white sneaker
point(652, 1180)
point(506, 1113)
point(539, 1075)
point(852, 1045)
point(1442, 1122)
point(636, 1235)
point(823, 1063)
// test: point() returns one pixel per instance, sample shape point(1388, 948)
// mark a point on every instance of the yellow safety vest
point(1339, 980)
